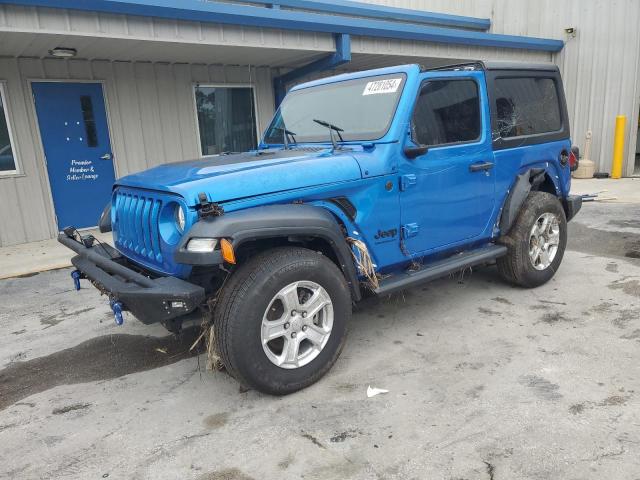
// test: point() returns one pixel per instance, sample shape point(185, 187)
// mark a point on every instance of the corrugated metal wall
point(152, 121)
point(599, 66)
point(139, 30)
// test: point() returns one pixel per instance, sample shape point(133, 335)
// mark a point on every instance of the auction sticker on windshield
point(390, 85)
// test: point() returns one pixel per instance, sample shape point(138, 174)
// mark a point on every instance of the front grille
point(136, 229)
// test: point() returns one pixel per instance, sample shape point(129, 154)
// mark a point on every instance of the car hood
point(230, 177)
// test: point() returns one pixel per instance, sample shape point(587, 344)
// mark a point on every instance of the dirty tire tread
point(239, 287)
point(515, 267)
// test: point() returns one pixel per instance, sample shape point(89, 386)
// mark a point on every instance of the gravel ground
point(486, 381)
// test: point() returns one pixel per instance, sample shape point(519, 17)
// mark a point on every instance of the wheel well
point(546, 185)
point(532, 180)
point(212, 278)
point(250, 248)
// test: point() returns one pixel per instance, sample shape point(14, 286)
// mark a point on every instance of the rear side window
point(446, 112)
point(526, 106)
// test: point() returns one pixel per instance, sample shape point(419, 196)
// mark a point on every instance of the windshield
point(361, 108)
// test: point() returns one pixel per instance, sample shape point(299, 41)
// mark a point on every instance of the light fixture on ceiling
point(63, 52)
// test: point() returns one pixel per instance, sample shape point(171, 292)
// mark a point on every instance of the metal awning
point(298, 20)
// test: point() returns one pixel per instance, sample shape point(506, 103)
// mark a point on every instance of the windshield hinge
point(208, 209)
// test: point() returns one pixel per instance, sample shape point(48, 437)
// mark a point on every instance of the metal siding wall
point(152, 121)
point(25, 209)
point(600, 67)
point(60, 21)
point(366, 45)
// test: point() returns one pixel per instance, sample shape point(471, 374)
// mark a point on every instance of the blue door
point(75, 135)
point(447, 194)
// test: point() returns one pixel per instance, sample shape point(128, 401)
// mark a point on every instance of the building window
point(447, 112)
point(527, 106)
point(7, 152)
point(226, 119)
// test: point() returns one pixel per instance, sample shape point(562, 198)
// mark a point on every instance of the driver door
point(447, 194)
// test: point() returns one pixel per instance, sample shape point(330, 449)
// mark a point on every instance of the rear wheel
point(536, 242)
point(280, 321)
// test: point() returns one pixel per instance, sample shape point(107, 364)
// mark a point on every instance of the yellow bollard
point(618, 147)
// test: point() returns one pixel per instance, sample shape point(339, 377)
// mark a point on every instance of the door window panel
point(226, 119)
point(447, 112)
point(526, 106)
point(7, 155)
point(89, 120)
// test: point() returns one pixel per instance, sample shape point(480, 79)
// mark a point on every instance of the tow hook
point(116, 307)
point(76, 275)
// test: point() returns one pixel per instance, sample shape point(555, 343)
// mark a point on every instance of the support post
point(618, 147)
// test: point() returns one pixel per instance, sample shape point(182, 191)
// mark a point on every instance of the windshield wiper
point(332, 128)
point(285, 136)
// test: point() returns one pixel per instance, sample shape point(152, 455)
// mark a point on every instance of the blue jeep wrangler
point(363, 184)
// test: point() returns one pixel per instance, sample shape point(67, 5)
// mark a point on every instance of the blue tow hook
point(76, 275)
point(116, 307)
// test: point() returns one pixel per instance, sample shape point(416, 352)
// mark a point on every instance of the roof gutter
point(341, 56)
point(236, 14)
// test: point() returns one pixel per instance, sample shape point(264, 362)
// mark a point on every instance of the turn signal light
point(227, 251)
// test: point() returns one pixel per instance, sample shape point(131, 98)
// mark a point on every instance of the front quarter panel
point(271, 221)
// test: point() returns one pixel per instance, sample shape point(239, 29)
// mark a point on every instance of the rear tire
point(295, 296)
point(536, 242)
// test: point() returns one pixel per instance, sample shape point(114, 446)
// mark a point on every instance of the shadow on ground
point(101, 358)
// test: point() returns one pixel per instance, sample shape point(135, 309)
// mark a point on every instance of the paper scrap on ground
point(372, 392)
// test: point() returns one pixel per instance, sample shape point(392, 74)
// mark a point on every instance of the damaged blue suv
point(363, 184)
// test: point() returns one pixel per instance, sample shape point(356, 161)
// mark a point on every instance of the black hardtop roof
point(497, 65)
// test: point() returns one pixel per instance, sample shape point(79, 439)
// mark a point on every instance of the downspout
point(341, 56)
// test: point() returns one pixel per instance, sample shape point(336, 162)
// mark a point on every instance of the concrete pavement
point(486, 381)
point(623, 190)
point(34, 257)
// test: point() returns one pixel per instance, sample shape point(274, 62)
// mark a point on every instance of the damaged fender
point(523, 185)
point(272, 221)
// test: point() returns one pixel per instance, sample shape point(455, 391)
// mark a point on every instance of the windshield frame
point(392, 116)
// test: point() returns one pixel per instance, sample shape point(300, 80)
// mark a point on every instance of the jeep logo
point(386, 233)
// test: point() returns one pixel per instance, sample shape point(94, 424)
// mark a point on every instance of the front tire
point(280, 320)
point(536, 242)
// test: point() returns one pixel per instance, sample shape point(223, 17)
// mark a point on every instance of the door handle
point(478, 167)
point(106, 156)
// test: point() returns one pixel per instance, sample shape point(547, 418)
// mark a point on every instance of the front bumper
point(150, 300)
point(572, 205)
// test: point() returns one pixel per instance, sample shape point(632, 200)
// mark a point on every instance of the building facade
point(91, 90)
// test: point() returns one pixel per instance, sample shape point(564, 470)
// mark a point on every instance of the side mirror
point(413, 152)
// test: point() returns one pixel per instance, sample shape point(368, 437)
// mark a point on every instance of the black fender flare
point(525, 182)
point(272, 221)
point(104, 224)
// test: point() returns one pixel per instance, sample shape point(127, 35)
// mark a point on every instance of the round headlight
point(180, 218)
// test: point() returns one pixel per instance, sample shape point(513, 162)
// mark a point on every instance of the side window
point(447, 111)
point(7, 153)
point(526, 106)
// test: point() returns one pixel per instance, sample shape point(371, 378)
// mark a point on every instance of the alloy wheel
point(297, 324)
